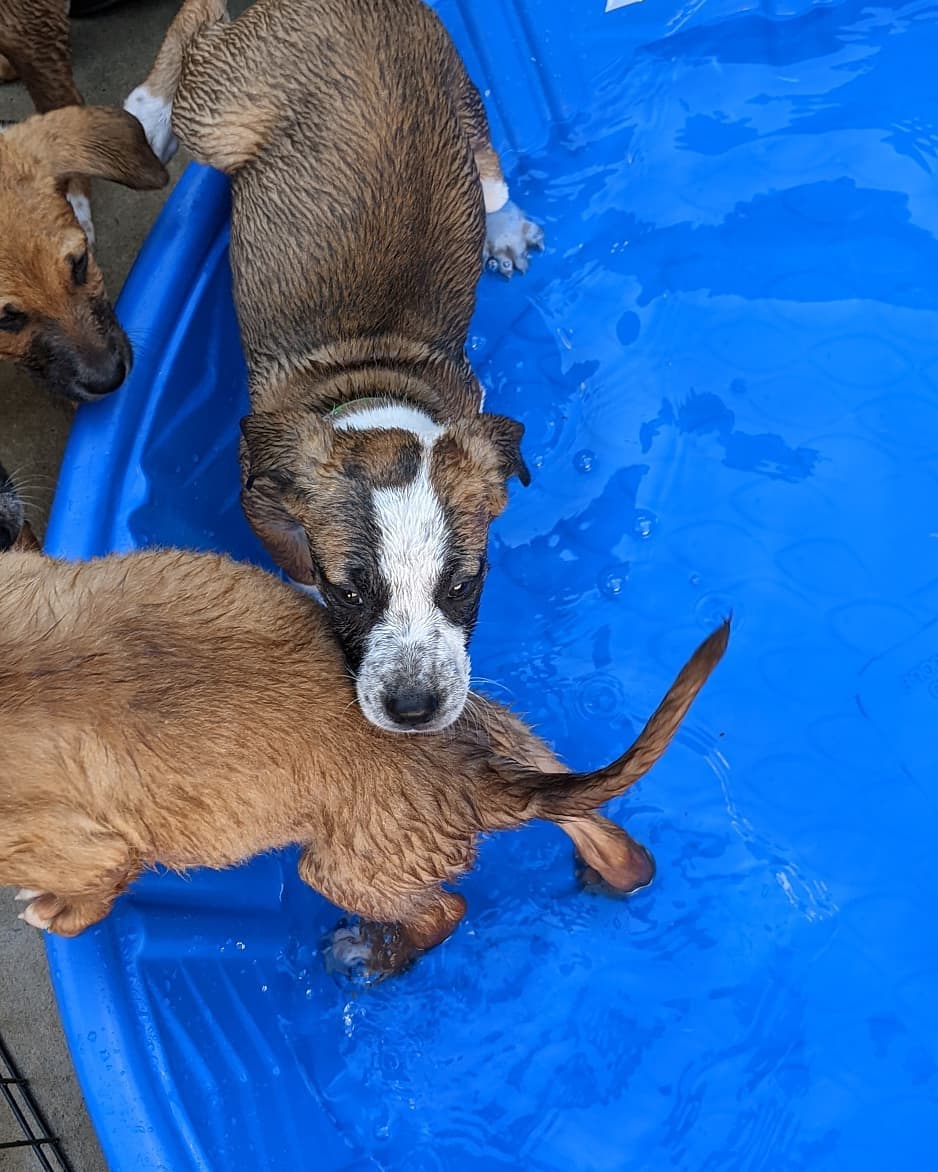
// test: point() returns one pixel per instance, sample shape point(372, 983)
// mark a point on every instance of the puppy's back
point(354, 181)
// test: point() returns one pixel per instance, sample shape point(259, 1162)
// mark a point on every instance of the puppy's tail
point(521, 794)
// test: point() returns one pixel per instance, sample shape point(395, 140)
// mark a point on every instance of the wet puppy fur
point(183, 709)
point(56, 321)
point(366, 195)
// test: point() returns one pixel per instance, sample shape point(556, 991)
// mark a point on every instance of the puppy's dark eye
point(348, 596)
point(79, 268)
point(12, 320)
point(461, 585)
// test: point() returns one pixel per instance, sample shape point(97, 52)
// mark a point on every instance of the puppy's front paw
point(37, 912)
point(155, 115)
point(345, 949)
point(363, 952)
point(509, 238)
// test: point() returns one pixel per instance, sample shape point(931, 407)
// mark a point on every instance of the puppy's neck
point(337, 377)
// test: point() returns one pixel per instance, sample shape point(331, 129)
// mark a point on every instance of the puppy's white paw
point(26, 895)
point(155, 115)
point(81, 206)
point(32, 917)
point(509, 237)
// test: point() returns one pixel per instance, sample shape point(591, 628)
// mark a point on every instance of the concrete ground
point(112, 53)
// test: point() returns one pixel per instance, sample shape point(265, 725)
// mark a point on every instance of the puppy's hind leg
point(608, 860)
point(509, 234)
point(152, 102)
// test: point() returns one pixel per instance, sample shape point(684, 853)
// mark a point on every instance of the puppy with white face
point(366, 197)
point(386, 513)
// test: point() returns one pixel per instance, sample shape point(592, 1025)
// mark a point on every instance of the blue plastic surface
point(726, 362)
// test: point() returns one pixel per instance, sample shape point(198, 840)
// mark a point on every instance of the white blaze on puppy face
point(413, 648)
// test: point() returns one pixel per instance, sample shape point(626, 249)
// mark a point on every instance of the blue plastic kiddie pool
point(727, 365)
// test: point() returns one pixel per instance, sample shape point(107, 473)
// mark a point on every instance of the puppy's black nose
point(108, 378)
point(411, 708)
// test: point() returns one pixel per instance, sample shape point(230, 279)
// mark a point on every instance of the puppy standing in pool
point(184, 709)
point(366, 195)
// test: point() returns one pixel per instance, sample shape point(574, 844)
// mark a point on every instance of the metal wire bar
point(37, 1135)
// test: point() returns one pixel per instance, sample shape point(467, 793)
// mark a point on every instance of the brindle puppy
point(365, 195)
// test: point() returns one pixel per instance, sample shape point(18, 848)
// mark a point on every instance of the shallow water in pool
point(726, 363)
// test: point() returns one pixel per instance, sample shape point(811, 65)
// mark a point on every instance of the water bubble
point(738, 386)
point(240, 945)
point(600, 697)
point(713, 609)
point(583, 460)
point(613, 579)
point(644, 523)
point(476, 342)
point(694, 579)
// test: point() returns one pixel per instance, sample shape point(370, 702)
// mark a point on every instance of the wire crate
point(37, 1137)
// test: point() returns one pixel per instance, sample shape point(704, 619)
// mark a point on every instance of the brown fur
point(36, 46)
point(183, 709)
point(355, 142)
point(58, 328)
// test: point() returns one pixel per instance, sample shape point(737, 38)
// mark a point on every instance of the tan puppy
point(184, 709)
point(56, 322)
point(365, 194)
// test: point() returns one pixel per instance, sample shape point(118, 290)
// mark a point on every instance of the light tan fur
point(184, 709)
point(56, 322)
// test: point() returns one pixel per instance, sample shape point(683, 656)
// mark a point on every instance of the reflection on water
point(726, 365)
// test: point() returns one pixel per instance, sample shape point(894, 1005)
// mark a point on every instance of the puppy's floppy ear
point(284, 445)
point(279, 449)
point(481, 453)
point(505, 434)
point(99, 141)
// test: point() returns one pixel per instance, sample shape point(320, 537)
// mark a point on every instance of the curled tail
point(521, 794)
